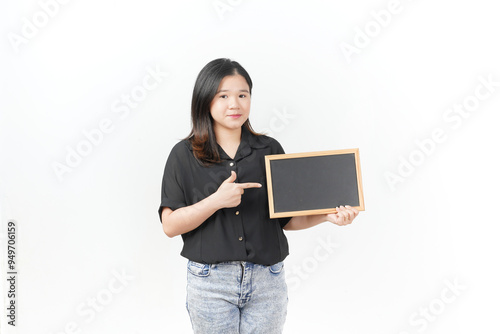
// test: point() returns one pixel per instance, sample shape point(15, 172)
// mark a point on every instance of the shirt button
point(240, 238)
point(231, 164)
point(237, 213)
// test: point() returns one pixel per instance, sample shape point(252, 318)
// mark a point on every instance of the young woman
point(214, 195)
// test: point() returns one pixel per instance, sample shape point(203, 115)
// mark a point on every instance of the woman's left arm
point(344, 216)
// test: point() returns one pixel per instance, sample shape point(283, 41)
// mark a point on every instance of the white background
point(437, 224)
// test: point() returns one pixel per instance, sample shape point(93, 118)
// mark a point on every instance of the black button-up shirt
point(241, 233)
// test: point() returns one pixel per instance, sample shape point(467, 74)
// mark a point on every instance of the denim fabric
point(236, 297)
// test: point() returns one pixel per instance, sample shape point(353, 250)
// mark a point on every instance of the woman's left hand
point(344, 216)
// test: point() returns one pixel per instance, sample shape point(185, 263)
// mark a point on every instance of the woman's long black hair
point(202, 135)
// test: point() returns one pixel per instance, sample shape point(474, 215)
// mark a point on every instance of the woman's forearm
point(188, 218)
point(344, 215)
point(303, 222)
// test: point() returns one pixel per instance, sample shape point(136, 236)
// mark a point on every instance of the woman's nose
point(233, 103)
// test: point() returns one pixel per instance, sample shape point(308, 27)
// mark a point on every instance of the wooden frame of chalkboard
point(301, 184)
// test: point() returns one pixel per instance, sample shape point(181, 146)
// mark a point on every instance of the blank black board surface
point(313, 183)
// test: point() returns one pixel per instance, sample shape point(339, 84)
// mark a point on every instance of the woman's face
point(230, 107)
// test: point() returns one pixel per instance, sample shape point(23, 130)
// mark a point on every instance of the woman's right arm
point(188, 218)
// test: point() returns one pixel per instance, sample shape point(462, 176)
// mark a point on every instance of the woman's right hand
point(229, 193)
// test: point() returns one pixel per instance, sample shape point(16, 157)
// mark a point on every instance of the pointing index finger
point(250, 185)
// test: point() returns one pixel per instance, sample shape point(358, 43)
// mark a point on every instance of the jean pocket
point(198, 269)
point(276, 268)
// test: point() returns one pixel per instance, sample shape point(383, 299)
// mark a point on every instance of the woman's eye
point(243, 95)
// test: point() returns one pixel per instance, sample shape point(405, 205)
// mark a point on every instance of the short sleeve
point(278, 149)
point(172, 193)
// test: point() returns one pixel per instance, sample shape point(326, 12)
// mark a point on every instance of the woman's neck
point(228, 137)
point(229, 140)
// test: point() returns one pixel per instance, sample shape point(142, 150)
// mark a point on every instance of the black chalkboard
point(313, 183)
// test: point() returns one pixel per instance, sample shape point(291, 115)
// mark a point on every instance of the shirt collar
point(248, 142)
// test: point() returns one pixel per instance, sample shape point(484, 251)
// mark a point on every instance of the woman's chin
point(233, 124)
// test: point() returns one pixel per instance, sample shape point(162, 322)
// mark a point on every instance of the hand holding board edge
point(300, 184)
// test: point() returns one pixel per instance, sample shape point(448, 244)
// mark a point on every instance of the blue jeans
point(236, 297)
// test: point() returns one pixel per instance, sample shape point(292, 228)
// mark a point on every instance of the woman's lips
point(235, 116)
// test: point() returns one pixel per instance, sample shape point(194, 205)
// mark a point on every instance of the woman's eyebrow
point(227, 90)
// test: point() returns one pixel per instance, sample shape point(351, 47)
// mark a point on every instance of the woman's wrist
point(212, 202)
